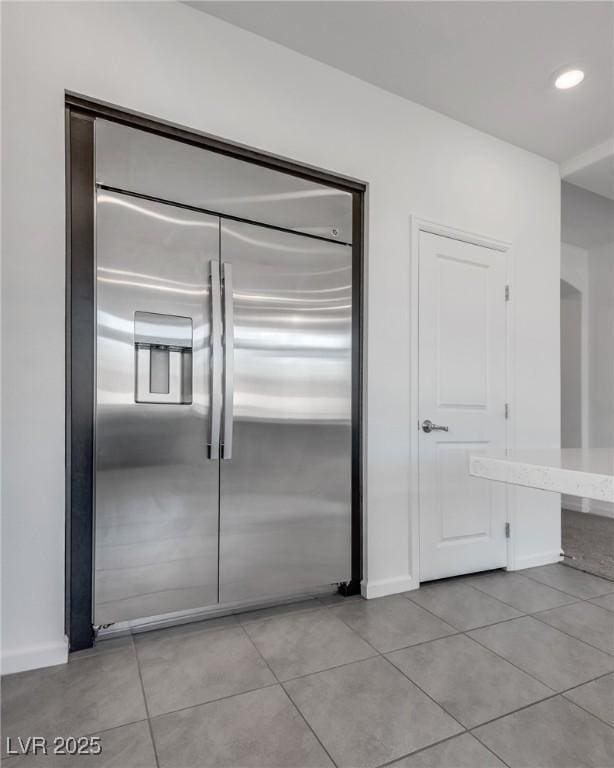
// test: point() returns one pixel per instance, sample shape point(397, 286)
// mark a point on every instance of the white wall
point(571, 366)
point(601, 293)
point(601, 353)
point(588, 265)
point(170, 61)
point(587, 219)
point(574, 271)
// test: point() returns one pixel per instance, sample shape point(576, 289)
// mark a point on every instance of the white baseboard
point(533, 561)
point(383, 587)
point(34, 657)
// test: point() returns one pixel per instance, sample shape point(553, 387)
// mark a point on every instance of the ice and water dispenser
point(163, 356)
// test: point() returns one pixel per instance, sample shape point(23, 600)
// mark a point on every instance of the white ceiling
point(488, 64)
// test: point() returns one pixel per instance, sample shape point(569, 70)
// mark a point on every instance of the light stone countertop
point(586, 473)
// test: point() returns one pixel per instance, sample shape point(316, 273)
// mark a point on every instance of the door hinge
point(507, 410)
point(507, 530)
point(507, 293)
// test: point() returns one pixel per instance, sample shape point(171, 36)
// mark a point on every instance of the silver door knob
point(428, 426)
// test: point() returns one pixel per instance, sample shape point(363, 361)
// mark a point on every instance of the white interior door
point(462, 378)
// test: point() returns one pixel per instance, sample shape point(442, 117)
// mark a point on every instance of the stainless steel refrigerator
point(223, 381)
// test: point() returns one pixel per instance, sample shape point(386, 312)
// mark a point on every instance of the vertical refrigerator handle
point(229, 334)
point(215, 405)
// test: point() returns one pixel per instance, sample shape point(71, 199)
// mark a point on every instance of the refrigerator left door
point(156, 490)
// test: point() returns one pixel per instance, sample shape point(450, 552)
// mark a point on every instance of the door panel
point(462, 370)
point(286, 492)
point(156, 498)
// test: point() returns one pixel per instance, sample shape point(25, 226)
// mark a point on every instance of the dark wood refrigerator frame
point(81, 113)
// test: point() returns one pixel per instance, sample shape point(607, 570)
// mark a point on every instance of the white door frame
point(418, 225)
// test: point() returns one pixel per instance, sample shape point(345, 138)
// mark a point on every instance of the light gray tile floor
point(522, 593)
point(606, 601)
point(393, 622)
point(301, 643)
point(597, 697)
point(463, 751)
point(490, 670)
point(587, 622)
point(83, 697)
point(467, 680)
point(552, 734)
point(127, 746)
point(260, 728)
point(180, 671)
point(460, 605)
point(558, 660)
point(368, 713)
point(570, 580)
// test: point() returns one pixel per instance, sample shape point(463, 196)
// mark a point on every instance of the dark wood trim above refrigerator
point(81, 113)
point(358, 213)
point(80, 377)
point(133, 119)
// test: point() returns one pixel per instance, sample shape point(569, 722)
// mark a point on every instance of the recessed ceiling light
point(569, 78)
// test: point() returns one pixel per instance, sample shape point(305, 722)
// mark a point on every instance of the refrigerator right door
point(285, 476)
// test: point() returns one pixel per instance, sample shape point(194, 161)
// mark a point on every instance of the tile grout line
point(469, 629)
point(560, 694)
point(326, 669)
point(473, 728)
point(382, 655)
point(491, 750)
point(149, 725)
point(513, 664)
point(537, 618)
point(565, 690)
point(592, 601)
point(98, 732)
point(429, 746)
point(504, 621)
point(456, 634)
point(376, 653)
point(74, 658)
point(534, 704)
point(465, 633)
point(480, 626)
point(592, 575)
point(370, 644)
point(213, 701)
point(307, 723)
point(573, 600)
point(486, 647)
point(101, 731)
point(483, 743)
point(592, 680)
point(413, 682)
point(534, 615)
point(509, 605)
point(580, 706)
point(439, 743)
point(290, 699)
point(406, 596)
